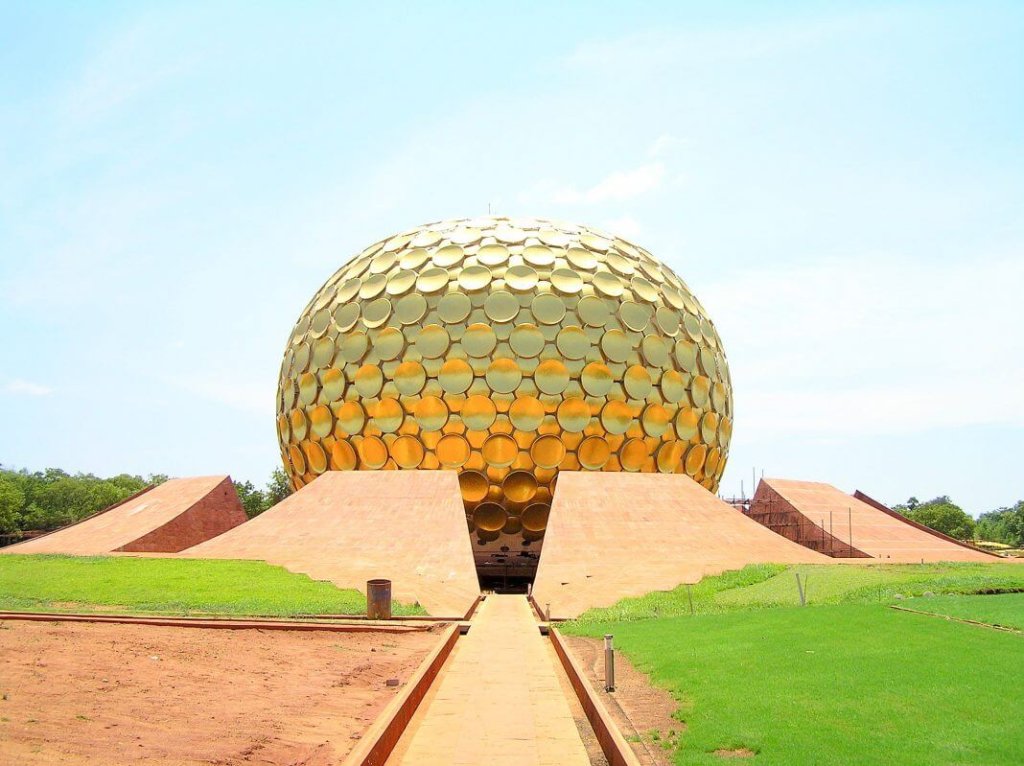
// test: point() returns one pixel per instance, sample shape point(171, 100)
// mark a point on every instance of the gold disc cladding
point(507, 350)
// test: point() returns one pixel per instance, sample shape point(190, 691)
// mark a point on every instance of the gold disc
point(500, 450)
point(473, 485)
point(407, 452)
point(634, 454)
point(547, 451)
point(526, 413)
point(551, 377)
point(593, 453)
point(431, 413)
point(373, 452)
point(519, 486)
point(478, 413)
point(455, 376)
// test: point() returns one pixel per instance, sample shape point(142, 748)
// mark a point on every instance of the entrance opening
point(507, 564)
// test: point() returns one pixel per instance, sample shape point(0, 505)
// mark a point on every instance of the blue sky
point(841, 185)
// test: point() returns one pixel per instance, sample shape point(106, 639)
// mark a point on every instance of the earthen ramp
point(166, 518)
point(352, 526)
point(614, 535)
point(821, 516)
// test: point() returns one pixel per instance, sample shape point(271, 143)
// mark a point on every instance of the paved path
point(498, 701)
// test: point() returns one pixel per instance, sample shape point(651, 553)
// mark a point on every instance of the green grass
point(170, 586)
point(767, 586)
point(847, 684)
point(1006, 609)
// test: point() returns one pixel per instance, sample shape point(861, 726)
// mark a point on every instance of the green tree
point(941, 514)
point(12, 501)
point(253, 500)
point(278, 488)
point(1003, 525)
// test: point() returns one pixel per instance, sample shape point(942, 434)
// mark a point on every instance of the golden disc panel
point(506, 350)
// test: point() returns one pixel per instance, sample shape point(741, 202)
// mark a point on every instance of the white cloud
point(256, 398)
point(21, 387)
point(662, 144)
point(623, 227)
point(873, 345)
point(618, 186)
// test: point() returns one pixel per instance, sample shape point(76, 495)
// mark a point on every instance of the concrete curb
point(613, 744)
point(378, 742)
point(218, 623)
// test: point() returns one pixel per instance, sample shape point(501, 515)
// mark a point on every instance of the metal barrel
point(378, 599)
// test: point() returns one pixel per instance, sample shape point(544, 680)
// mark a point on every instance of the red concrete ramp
point(351, 526)
point(844, 526)
point(163, 519)
point(613, 535)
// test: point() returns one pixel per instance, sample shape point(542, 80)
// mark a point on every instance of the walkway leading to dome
point(497, 700)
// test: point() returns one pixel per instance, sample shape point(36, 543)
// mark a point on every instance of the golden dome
point(507, 349)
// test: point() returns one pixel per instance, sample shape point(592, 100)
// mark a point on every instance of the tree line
point(1003, 525)
point(41, 501)
point(50, 499)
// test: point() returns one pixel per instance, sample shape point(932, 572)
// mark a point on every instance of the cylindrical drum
point(378, 599)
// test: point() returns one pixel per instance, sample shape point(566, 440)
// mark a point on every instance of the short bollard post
point(378, 599)
point(609, 664)
point(547, 611)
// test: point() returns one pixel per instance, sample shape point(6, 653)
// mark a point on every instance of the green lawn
point(849, 684)
point(170, 586)
point(845, 680)
point(765, 586)
point(1006, 609)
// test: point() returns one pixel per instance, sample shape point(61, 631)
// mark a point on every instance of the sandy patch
point(114, 694)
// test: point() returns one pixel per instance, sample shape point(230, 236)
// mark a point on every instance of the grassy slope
point(169, 586)
point(1006, 609)
point(848, 681)
point(853, 684)
point(764, 586)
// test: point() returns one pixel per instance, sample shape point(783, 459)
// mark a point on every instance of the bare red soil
point(114, 694)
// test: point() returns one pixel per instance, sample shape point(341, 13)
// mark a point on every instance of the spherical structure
point(508, 350)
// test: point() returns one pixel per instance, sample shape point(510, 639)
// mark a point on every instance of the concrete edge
point(964, 620)
point(215, 623)
point(615, 747)
point(472, 609)
point(377, 743)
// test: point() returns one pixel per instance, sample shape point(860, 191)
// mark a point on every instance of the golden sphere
point(507, 349)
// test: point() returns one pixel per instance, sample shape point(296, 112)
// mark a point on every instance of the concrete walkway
point(497, 701)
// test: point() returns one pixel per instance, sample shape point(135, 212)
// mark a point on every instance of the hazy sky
point(842, 185)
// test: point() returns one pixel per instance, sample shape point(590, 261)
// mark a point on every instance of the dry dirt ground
point(115, 694)
point(639, 709)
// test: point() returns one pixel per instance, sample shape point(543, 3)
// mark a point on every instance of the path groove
point(498, 701)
